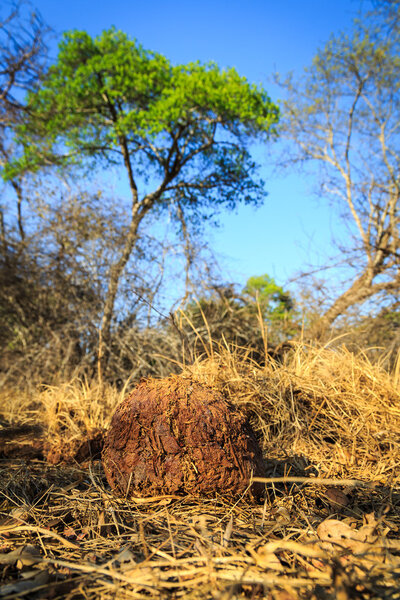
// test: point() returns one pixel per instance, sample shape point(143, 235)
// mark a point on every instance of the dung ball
point(178, 436)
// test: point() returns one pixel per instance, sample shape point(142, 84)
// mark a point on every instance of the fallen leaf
point(282, 515)
point(53, 522)
point(69, 533)
point(368, 532)
point(82, 535)
point(337, 535)
point(336, 497)
point(124, 556)
point(19, 514)
point(24, 555)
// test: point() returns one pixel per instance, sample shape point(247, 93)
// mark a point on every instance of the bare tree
point(344, 115)
point(23, 53)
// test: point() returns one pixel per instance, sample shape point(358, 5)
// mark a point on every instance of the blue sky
point(257, 37)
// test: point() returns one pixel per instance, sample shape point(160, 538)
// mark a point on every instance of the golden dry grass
point(329, 423)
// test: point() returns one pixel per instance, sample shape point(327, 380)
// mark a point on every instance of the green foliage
point(107, 99)
point(233, 317)
point(275, 303)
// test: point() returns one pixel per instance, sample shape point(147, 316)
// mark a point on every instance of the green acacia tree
point(181, 132)
point(278, 309)
point(275, 303)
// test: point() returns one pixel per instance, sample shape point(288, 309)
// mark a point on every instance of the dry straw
point(329, 423)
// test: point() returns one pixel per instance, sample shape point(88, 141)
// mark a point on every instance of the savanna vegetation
point(103, 283)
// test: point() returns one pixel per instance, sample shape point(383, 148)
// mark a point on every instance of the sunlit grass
point(322, 414)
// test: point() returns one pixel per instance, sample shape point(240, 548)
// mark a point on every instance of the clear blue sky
point(257, 37)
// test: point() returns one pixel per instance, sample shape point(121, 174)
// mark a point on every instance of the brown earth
point(177, 436)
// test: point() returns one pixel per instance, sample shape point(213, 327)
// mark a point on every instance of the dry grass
point(329, 423)
point(331, 407)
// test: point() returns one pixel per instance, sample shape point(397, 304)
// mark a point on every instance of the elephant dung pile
point(178, 436)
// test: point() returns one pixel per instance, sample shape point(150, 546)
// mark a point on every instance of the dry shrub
point(77, 407)
point(73, 417)
point(16, 405)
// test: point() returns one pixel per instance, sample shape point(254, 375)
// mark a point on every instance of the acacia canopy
point(185, 125)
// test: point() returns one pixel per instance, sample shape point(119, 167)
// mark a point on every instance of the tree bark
point(116, 271)
point(361, 289)
point(18, 192)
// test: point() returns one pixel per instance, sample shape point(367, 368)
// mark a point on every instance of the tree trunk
point(360, 290)
point(116, 271)
point(18, 192)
